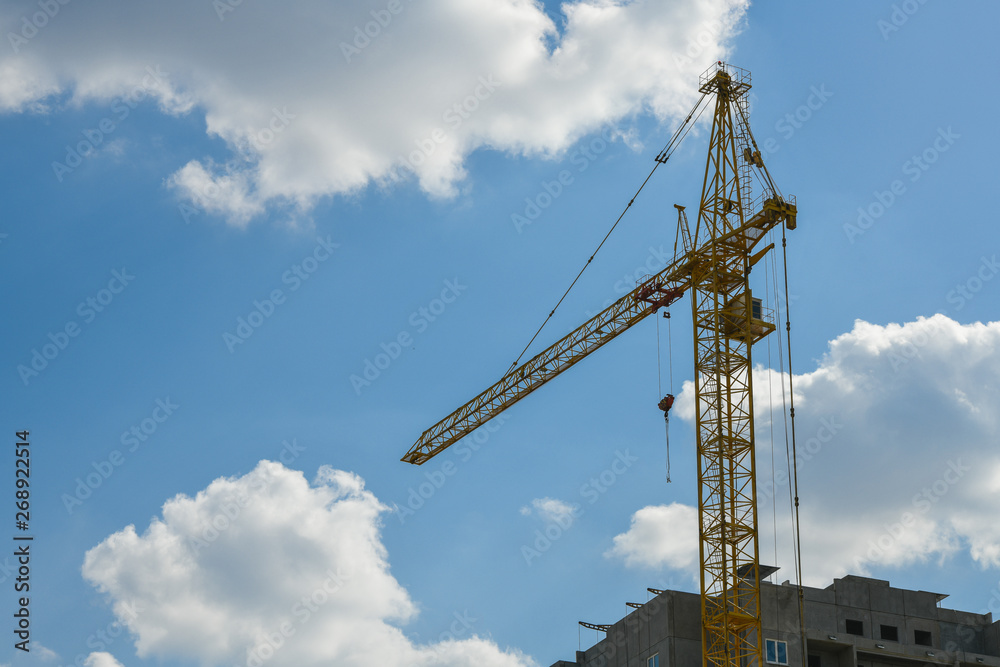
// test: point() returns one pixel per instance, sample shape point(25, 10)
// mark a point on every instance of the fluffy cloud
point(896, 434)
point(267, 568)
point(43, 653)
point(551, 510)
point(660, 536)
point(23, 87)
point(101, 660)
point(310, 105)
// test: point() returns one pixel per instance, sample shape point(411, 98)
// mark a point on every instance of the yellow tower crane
point(714, 265)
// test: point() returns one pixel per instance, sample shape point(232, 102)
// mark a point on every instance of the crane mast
point(715, 266)
point(725, 328)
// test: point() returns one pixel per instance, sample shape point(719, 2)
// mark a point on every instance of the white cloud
point(227, 193)
point(267, 566)
point(306, 117)
point(101, 660)
point(896, 434)
point(551, 510)
point(660, 536)
point(44, 652)
point(24, 86)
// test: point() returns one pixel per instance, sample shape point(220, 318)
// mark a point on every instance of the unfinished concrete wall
point(856, 621)
point(779, 619)
point(668, 625)
point(991, 638)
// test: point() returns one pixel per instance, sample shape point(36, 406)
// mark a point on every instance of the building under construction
point(855, 621)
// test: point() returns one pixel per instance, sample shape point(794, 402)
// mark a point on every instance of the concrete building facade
point(854, 622)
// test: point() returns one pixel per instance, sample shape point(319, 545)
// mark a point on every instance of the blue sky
point(246, 154)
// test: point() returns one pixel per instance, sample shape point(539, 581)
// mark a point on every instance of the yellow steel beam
point(724, 331)
point(658, 290)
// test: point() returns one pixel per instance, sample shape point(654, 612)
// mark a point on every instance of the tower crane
point(714, 265)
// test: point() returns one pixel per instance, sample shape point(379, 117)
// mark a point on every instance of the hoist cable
point(770, 400)
point(659, 384)
point(762, 170)
point(659, 366)
point(670, 352)
point(795, 467)
point(662, 158)
point(666, 430)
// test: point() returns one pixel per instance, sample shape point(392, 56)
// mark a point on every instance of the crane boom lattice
point(725, 327)
point(715, 266)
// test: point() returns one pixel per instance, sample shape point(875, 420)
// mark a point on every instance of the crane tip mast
point(740, 204)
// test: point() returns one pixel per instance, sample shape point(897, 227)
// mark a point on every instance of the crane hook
point(665, 404)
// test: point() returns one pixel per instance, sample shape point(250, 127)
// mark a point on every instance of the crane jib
point(657, 291)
